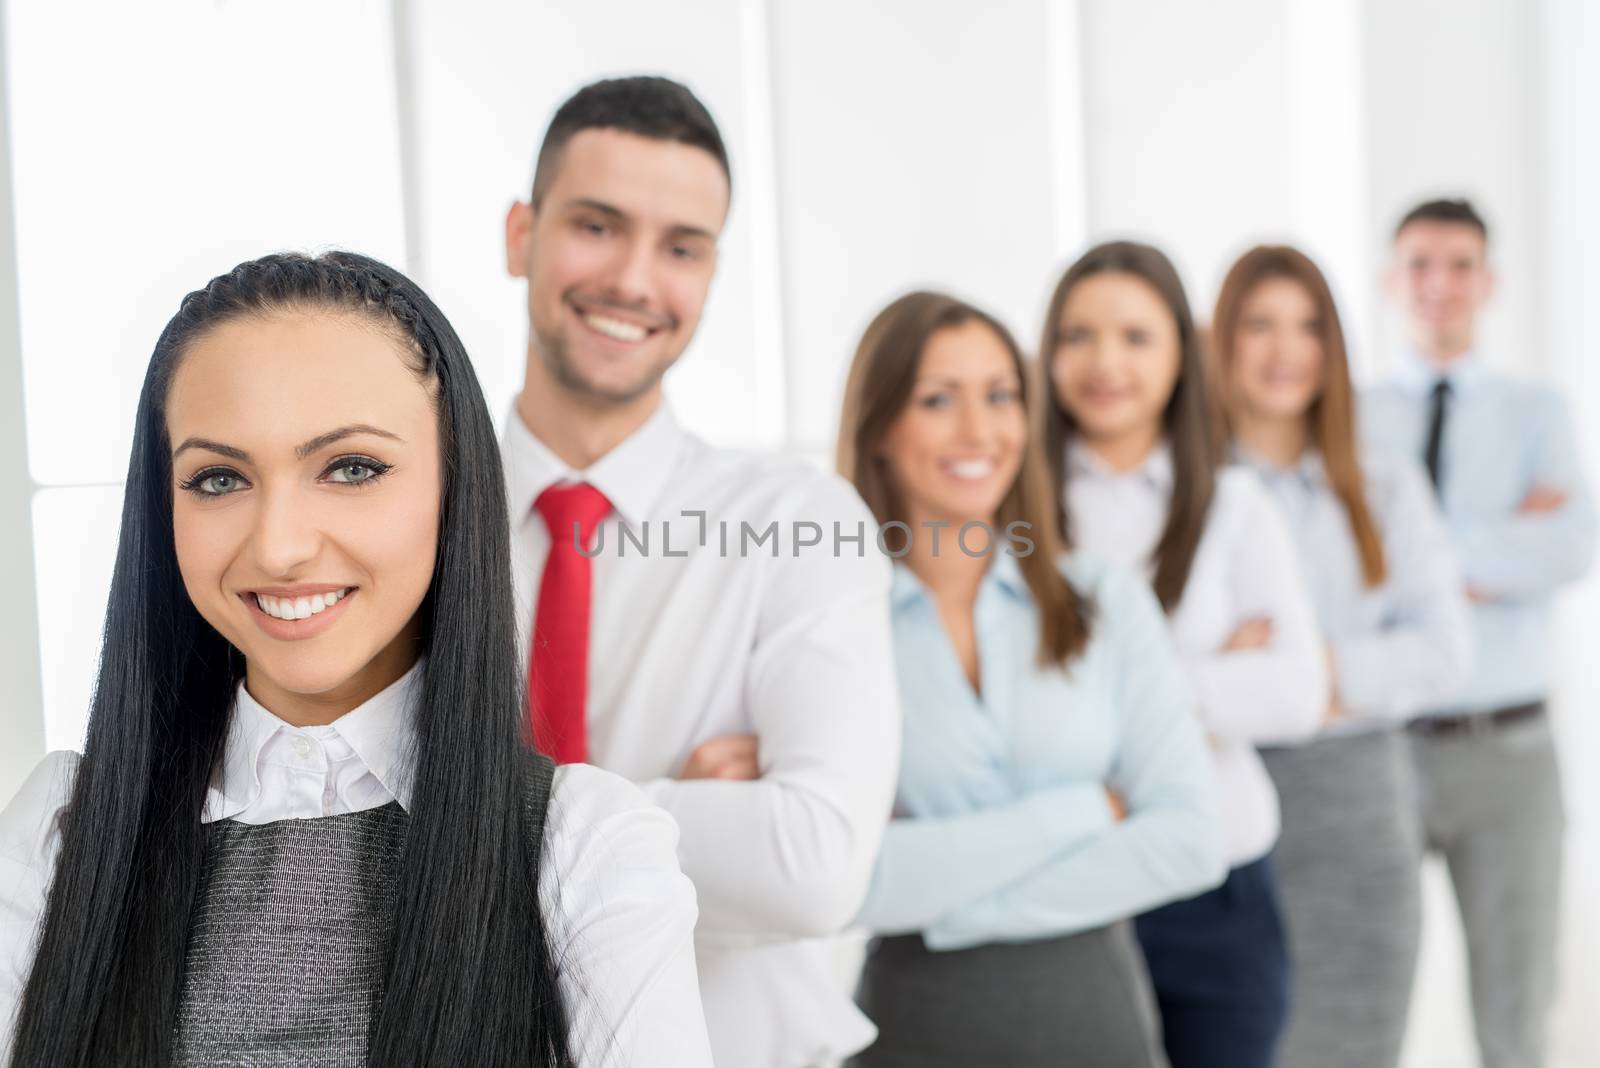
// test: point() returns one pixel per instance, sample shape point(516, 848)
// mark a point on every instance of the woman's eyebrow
point(321, 441)
point(211, 446)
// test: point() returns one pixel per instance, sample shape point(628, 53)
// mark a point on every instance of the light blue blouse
point(1405, 644)
point(1002, 830)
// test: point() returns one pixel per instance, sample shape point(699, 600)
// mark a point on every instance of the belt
point(1476, 722)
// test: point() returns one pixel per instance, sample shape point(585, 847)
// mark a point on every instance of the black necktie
point(1430, 454)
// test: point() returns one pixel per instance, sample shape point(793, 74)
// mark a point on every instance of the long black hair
point(470, 976)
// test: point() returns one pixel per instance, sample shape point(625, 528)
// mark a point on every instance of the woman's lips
point(309, 622)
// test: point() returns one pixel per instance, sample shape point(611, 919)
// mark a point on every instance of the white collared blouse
point(619, 912)
point(1245, 568)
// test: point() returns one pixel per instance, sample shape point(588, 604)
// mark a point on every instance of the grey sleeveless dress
point(290, 933)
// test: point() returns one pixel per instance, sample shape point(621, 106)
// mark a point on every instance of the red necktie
point(559, 662)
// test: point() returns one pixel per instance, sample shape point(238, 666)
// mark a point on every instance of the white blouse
point(619, 911)
point(1244, 568)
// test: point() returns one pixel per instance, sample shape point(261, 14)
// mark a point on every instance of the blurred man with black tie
point(1504, 462)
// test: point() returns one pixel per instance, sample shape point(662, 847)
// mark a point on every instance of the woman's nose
point(285, 538)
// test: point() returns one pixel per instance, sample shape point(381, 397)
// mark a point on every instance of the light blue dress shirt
point(1405, 644)
point(1002, 830)
point(1501, 438)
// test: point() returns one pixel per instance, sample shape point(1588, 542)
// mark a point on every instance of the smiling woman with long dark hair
point(305, 825)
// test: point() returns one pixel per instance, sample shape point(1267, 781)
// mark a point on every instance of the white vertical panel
point(156, 145)
point(75, 544)
point(1569, 220)
point(1327, 140)
point(403, 51)
point(772, 389)
point(1069, 168)
point(915, 150)
point(488, 77)
point(21, 705)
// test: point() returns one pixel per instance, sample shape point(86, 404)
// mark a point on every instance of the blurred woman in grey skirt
point(1054, 781)
point(1389, 599)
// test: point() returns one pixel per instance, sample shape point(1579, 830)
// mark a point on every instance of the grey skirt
point(1349, 878)
point(1084, 999)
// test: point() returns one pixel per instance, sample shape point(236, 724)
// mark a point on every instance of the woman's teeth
point(616, 329)
point(300, 607)
point(973, 469)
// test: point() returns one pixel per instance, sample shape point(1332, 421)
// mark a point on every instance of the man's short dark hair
point(648, 106)
point(1448, 211)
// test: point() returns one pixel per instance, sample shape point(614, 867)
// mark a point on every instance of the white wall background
point(1565, 42)
point(877, 145)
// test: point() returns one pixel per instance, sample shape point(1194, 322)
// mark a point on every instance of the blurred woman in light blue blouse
point(1380, 570)
point(1054, 780)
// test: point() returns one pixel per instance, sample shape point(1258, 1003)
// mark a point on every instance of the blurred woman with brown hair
point(1384, 580)
point(1053, 781)
point(1133, 441)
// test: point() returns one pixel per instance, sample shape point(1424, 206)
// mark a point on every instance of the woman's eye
point(219, 485)
point(213, 483)
point(355, 472)
point(935, 401)
point(1001, 397)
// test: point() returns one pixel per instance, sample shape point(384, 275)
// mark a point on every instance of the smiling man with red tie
point(681, 630)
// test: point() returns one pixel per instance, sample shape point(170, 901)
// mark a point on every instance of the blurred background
point(877, 145)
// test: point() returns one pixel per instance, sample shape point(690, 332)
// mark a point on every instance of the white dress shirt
point(1502, 437)
point(704, 635)
point(1244, 568)
point(620, 913)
